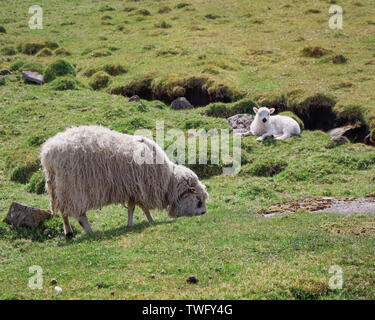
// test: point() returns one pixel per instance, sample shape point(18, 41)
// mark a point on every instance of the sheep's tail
point(51, 188)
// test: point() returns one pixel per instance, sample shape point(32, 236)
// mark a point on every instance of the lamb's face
point(263, 114)
point(191, 204)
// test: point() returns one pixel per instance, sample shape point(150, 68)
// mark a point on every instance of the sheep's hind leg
point(147, 213)
point(131, 207)
point(85, 224)
point(284, 136)
point(68, 231)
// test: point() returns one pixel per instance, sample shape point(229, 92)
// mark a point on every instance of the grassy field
point(242, 50)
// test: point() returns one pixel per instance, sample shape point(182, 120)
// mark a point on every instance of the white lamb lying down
point(280, 127)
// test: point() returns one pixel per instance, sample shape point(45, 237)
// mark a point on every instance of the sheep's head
point(191, 194)
point(263, 114)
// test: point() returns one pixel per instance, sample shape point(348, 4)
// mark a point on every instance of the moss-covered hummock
point(66, 83)
point(100, 80)
point(37, 183)
point(57, 69)
point(33, 47)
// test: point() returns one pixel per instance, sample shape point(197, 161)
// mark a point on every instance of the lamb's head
point(263, 114)
point(189, 194)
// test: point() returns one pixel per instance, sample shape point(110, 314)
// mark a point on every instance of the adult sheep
point(89, 167)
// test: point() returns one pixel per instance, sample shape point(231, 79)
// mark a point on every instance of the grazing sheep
point(89, 167)
point(280, 127)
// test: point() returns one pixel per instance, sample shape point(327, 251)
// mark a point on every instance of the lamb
point(280, 127)
point(88, 167)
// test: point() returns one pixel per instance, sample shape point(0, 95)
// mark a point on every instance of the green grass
point(235, 253)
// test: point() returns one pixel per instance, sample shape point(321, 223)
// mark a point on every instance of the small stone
point(41, 116)
point(153, 276)
point(58, 289)
point(163, 271)
point(192, 279)
point(84, 109)
point(20, 214)
point(99, 284)
point(53, 281)
point(5, 72)
point(112, 293)
point(33, 77)
point(134, 98)
point(340, 139)
point(126, 130)
point(181, 103)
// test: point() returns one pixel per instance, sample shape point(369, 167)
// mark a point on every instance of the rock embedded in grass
point(22, 215)
point(33, 77)
point(53, 281)
point(181, 104)
point(99, 284)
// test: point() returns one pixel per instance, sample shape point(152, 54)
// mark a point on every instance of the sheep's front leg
point(85, 224)
point(147, 213)
point(131, 207)
point(264, 136)
point(68, 231)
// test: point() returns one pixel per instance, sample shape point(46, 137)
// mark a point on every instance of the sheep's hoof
point(69, 235)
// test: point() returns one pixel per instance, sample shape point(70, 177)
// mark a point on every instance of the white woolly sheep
point(280, 127)
point(89, 167)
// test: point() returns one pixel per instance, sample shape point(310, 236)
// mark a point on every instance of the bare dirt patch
point(345, 206)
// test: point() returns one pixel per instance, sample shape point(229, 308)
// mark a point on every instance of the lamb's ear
point(272, 110)
point(255, 110)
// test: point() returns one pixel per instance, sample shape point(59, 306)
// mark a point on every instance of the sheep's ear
point(272, 110)
point(192, 190)
point(255, 110)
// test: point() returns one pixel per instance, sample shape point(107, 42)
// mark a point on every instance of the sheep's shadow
point(111, 233)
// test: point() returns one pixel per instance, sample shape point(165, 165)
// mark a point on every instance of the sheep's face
point(263, 114)
point(191, 203)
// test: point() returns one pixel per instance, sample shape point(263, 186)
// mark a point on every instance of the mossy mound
point(22, 164)
point(293, 116)
point(221, 110)
point(58, 68)
point(45, 53)
point(27, 66)
point(267, 167)
point(164, 9)
point(37, 183)
point(144, 12)
point(163, 25)
point(114, 69)
point(8, 51)
point(33, 47)
point(182, 5)
point(66, 83)
point(62, 52)
point(313, 52)
point(100, 80)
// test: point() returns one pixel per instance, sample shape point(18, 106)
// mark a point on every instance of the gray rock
point(20, 214)
point(33, 77)
point(5, 72)
point(134, 98)
point(241, 121)
point(340, 139)
point(181, 104)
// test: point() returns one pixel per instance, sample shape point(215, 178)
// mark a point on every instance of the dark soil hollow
point(199, 91)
